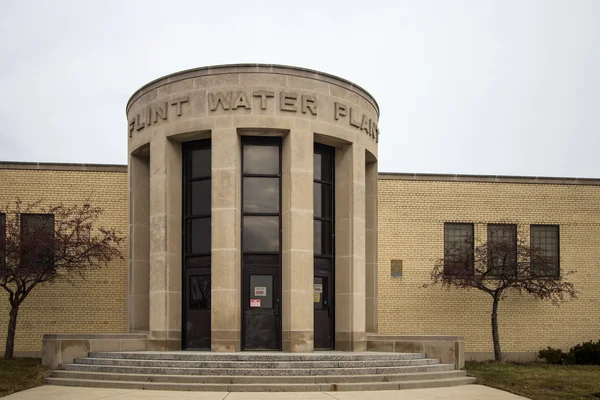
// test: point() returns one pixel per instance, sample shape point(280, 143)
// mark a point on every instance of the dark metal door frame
point(331, 309)
point(245, 295)
point(193, 264)
point(275, 273)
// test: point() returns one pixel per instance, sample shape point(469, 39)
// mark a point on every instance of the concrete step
point(224, 379)
point(256, 364)
point(256, 356)
point(258, 371)
point(262, 387)
point(423, 365)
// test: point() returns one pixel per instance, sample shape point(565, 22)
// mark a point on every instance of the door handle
point(276, 309)
point(329, 311)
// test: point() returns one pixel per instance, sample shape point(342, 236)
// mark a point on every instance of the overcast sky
point(468, 87)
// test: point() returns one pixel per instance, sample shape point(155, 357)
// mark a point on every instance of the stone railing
point(63, 348)
point(448, 349)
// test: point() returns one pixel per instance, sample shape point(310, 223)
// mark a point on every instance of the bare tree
point(41, 245)
point(502, 264)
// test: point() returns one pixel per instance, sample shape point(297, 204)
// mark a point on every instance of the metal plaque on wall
point(397, 268)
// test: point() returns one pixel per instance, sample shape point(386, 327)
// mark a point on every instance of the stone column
point(297, 242)
point(139, 243)
point(165, 244)
point(226, 241)
point(372, 272)
point(350, 248)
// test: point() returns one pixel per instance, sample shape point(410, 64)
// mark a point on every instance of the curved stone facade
point(228, 104)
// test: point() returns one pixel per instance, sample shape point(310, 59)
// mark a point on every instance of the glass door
point(262, 306)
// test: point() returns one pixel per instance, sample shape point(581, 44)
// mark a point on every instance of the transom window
point(323, 200)
point(197, 181)
point(261, 195)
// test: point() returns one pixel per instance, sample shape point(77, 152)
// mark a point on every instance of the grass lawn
point(539, 381)
point(21, 374)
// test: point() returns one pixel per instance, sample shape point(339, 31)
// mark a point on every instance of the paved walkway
point(466, 392)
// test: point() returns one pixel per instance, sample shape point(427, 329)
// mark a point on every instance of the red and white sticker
point(260, 291)
point(254, 302)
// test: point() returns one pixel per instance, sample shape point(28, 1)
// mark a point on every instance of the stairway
point(258, 372)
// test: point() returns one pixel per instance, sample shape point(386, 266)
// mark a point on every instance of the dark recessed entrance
point(261, 244)
point(196, 274)
point(323, 191)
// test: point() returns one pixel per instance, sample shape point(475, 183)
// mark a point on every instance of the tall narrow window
point(37, 240)
point(502, 250)
point(545, 261)
point(261, 243)
point(197, 244)
point(458, 249)
point(2, 240)
point(323, 190)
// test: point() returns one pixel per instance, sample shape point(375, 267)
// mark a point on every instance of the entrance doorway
point(323, 305)
point(261, 243)
point(262, 306)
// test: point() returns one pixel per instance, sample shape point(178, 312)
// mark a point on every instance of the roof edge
point(18, 165)
point(488, 178)
point(249, 65)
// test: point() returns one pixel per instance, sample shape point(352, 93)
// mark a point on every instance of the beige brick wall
point(411, 220)
point(98, 304)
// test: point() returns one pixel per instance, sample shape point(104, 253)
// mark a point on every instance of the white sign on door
point(260, 291)
point(254, 302)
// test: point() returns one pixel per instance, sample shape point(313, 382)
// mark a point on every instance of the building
point(258, 220)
